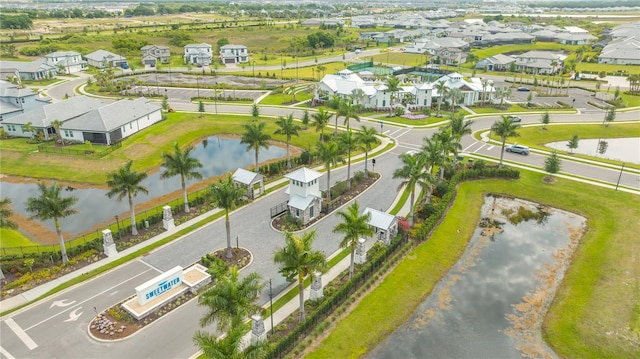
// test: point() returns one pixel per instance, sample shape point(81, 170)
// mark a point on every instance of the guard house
point(385, 225)
point(253, 182)
point(305, 197)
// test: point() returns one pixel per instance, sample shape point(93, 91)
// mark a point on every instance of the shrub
point(441, 188)
point(338, 189)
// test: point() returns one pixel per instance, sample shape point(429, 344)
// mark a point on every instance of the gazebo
point(384, 224)
point(253, 182)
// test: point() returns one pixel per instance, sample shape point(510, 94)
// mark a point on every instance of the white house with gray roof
point(103, 59)
point(15, 100)
point(385, 225)
point(35, 70)
point(625, 51)
point(305, 197)
point(198, 54)
point(234, 54)
point(66, 62)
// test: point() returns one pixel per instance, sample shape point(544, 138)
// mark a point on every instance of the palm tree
point(231, 346)
point(443, 90)
point(393, 86)
point(288, 128)
point(56, 124)
point(255, 138)
point(49, 204)
point(484, 83)
point(321, 119)
point(348, 143)
point(459, 127)
point(367, 138)
point(226, 195)
point(28, 127)
point(357, 96)
point(181, 163)
point(5, 213)
point(330, 154)
point(505, 128)
point(353, 226)
point(450, 145)
point(348, 111)
point(125, 182)
point(455, 96)
point(298, 259)
point(432, 149)
point(413, 173)
point(231, 300)
point(502, 93)
point(335, 102)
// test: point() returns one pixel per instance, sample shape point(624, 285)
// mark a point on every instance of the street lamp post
point(381, 123)
point(118, 223)
point(215, 96)
point(574, 103)
point(271, 305)
point(620, 176)
point(198, 85)
point(253, 63)
point(237, 237)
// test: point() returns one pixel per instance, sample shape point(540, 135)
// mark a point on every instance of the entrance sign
point(153, 288)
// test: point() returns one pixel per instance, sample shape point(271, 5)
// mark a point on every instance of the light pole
point(237, 237)
point(118, 223)
point(253, 63)
point(198, 85)
point(620, 176)
point(271, 305)
point(215, 96)
point(381, 123)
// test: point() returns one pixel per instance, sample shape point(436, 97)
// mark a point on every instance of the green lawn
point(13, 238)
point(512, 48)
point(598, 295)
point(514, 108)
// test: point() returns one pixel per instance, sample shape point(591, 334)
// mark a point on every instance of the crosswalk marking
point(26, 339)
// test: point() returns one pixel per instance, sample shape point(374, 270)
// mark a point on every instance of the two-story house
point(234, 54)
point(66, 62)
point(198, 54)
point(15, 100)
point(152, 54)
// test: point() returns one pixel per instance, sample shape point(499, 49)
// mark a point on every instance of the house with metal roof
point(625, 51)
point(253, 182)
point(103, 59)
point(497, 62)
point(152, 54)
point(305, 198)
point(234, 54)
point(15, 100)
point(34, 70)
point(66, 62)
point(385, 225)
point(198, 54)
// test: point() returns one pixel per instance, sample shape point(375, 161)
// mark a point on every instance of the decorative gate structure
point(279, 209)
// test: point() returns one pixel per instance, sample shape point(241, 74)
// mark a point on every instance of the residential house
point(539, 62)
point(15, 100)
point(198, 54)
point(251, 181)
point(498, 62)
point(66, 62)
point(152, 54)
point(234, 54)
point(42, 117)
point(103, 59)
point(626, 30)
point(624, 51)
point(451, 56)
point(305, 198)
point(35, 70)
point(471, 90)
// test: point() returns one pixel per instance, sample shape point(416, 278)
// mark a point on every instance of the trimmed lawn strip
point(13, 238)
point(595, 298)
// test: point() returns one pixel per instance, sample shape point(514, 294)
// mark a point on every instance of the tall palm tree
point(348, 143)
point(357, 96)
point(413, 173)
point(349, 111)
point(459, 127)
point(5, 213)
point(353, 226)
point(367, 138)
point(432, 149)
point(255, 138)
point(297, 258)
point(330, 154)
point(334, 103)
point(505, 128)
point(287, 128)
point(181, 163)
point(231, 346)
point(450, 145)
point(320, 120)
point(125, 182)
point(485, 84)
point(231, 300)
point(56, 124)
point(50, 205)
point(393, 86)
point(226, 195)
point(455, 95)
point(443, 90)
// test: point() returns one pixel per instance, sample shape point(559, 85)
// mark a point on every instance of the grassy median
point(595, 313)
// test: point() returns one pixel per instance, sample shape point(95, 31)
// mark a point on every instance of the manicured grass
point(279, 99)
point(512, 48)
point(515, 108)
point(598, 295)
point(609, 68)
point(13, 238)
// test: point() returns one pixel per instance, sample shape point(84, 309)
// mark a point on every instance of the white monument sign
point(153, 288)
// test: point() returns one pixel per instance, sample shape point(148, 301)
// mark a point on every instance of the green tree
point(5, 213)
point(609, 116)
point(348, 144)
point(305, 119)
point(226, 195)
point(181, 163)
point(200, 107)
point(455, 95)
point(50, 205)
point(443, 90)
point(330, 154)
point(353, 226)
point(413, 173)
point(545, 119)
point(165, 104)
point(320, 120)
point(573, 143)
point(505, 129)
point(552, 164)
point(459, 127)
point(393, 86)
point(367, 138)
point(230, 346)
point(433, 152)
point(334, 103)
point(349, 111)
point(287, 127)
point(450, 145)
point(56, 124)
point(231, 299)
point(255, 138)
point(28, 127)
point(255, 111)
point(297, 258)
point(125, 182)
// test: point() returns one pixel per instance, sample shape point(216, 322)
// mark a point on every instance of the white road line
point(6, 353)
point(26, 339)
point(86, 300)
point(490, 148)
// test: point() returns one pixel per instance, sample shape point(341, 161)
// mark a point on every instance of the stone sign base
point(194, 278)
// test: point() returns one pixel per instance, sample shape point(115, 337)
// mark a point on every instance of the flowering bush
point(414, 116)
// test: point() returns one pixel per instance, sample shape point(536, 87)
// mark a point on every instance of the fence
point(74, 151)
point(279, 209)
point(360, 66)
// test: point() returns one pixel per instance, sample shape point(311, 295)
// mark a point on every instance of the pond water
point(474, 310)
point(621, 149)
point(218, 156)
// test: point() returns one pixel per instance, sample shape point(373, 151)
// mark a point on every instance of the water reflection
point(465, 316)
point(218, 156)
